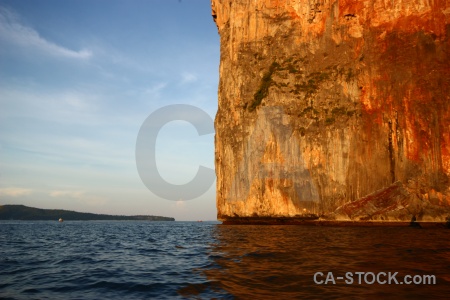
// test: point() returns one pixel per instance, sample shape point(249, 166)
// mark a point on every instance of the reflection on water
point(280, 261)
point(203, 260)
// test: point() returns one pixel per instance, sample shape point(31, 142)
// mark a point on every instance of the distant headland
point(22, 212)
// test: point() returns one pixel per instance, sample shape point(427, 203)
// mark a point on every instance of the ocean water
point(205, 260)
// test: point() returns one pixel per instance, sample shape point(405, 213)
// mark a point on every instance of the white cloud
point(78, 101)
point(63, 107)
point(69, 194)
point(14, 192)
point(13, 31)
point(154, 91)
point(188, 78)
point(179, 205)
point(79, 195)
point(83, 128)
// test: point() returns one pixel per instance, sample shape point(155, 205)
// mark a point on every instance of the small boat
point(61, 220)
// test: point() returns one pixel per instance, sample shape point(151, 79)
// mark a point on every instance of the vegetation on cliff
point(334, 109)
point(263, 90)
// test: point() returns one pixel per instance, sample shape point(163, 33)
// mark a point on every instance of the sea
point(208, 260)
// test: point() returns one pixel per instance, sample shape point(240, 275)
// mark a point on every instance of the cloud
point(13, 31)
point(179, 205)
point(63, 107)
point(155, 90)
point(14, 192)
point(188, 78)
point(69, 194)
point(79, 195)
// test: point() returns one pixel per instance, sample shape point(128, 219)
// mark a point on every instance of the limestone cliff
point(334, 108)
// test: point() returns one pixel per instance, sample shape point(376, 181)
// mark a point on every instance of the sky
point(78, 78)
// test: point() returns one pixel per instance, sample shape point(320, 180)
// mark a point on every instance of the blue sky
point(78, 79)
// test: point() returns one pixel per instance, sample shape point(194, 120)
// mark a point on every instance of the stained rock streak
point(338, 109)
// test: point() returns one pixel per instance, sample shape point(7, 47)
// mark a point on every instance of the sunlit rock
point(339, 109)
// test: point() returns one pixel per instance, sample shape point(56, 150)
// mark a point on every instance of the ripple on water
point(136, 260)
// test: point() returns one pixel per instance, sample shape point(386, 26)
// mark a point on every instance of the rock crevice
point(325, 106)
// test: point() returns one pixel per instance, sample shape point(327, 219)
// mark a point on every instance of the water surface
point(192, 260)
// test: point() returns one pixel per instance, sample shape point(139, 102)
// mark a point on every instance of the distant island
point(22, 212)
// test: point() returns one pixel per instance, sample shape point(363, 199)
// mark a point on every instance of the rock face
point(339, 109)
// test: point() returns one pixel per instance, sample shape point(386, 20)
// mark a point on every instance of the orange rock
point(323, 103)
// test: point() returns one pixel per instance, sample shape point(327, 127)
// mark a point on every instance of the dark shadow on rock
point(414, 223)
